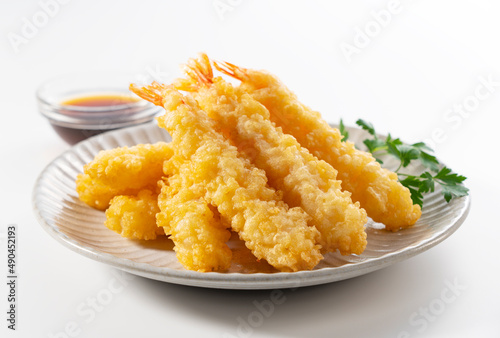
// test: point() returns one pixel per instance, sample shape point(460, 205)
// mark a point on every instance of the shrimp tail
point(154, 93)
point(199, 72)
point(231, 70)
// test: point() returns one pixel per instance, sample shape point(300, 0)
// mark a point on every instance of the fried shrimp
point(306, 182)
point(134, 217)
point(195, 228)
point(375, 188)
point(121, 171)
point(199, 238)
point(270, 229)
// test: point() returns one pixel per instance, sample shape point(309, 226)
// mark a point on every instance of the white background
point(430, 56)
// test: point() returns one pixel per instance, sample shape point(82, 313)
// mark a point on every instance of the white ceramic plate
point(81, 228)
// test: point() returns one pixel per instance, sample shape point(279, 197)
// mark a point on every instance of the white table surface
point(429, 57)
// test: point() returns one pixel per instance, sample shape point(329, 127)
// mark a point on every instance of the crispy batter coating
point(375, 188)
point(305, 181)
point(134, 217)
point(198, 234)
point(121, 171)
point(200, 239)
point(269, 228)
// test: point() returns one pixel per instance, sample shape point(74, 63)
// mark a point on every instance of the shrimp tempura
point(196, 230)
point(256, 212)
point(375, 188)
point(305, 181)
point(134, 217)
point(121, 171)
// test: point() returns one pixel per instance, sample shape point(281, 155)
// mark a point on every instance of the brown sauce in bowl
point(100, 101)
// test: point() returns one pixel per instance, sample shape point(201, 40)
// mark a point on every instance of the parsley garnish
point(343, 131)
point(451, 183)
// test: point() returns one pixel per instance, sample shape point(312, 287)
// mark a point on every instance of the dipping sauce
point(86, 104)
point(97, 104)
point(101, 100)
point(74, 135)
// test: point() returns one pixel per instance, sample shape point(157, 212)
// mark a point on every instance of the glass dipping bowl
point(75, 123)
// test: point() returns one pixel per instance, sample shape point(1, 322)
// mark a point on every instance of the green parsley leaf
point(450, 182)
point(410, 181)
point(447, 177)
point(427, 183)
point(374, 145)
point(416, 196)
point(429, 161)
point(366, 126)
point(422, 145)
point(392, 149)
point(453, 191)
point(407, 154)
point(343, 131)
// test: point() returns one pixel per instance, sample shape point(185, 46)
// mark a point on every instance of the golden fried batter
point(121, 171)
point(269, 228)
point(134, 217)
point(305, 181)
point(199, 238)
point(375, 188)
point(198, 234)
